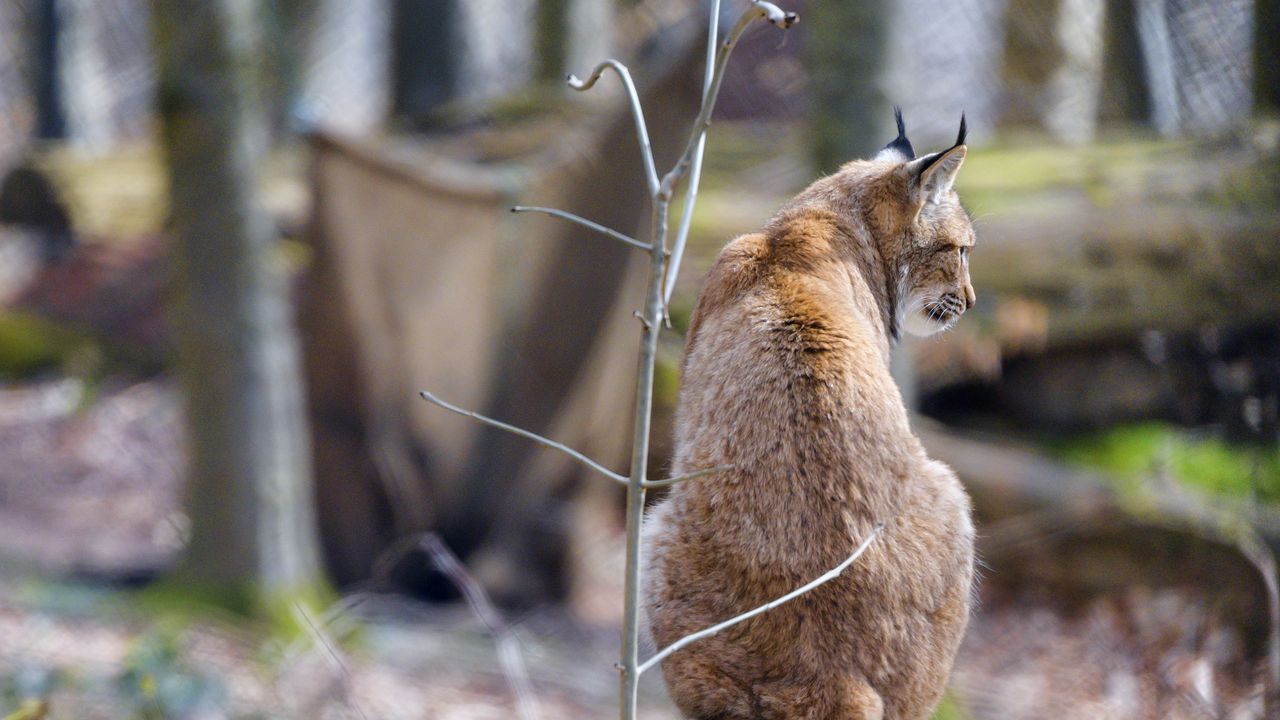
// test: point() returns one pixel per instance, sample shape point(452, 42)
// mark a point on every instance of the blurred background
point(238, 237)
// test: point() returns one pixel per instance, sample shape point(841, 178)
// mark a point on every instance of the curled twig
point(637, 112)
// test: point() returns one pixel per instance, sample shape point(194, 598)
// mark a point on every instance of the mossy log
point(1065, 533)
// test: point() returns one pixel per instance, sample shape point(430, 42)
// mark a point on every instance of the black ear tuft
point(901, 144)
point(963, 129)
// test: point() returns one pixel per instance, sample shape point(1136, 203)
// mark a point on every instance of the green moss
point(179, 598)
point(283, 612)
point(666, 382)
point(1132, 452)
point(951, 709)
point(681, 310)
point(29, 710)
point(1255, 186)
point(293, 613)
point(29, 344)
point(1020, 173)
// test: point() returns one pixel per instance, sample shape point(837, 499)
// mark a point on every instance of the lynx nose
point(970, 297)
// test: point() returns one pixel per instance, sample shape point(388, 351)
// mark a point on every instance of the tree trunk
point(249, 491)
point(590, 36)
point(1125, 96)
point(345, 65)
point(850, 115)
point(549, 43)
point(425, 57)
point(1074, 89)
point(51, 119)
point(1266, 56)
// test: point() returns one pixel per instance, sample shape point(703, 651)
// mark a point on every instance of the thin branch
point(532, 436)
point(322, 640)
point(689, 476)
point(759, 10)
point(633, 97)
point(508, 650)
point(831, 574)
point(1259, 554)
point(695, 172)
point(583, 222)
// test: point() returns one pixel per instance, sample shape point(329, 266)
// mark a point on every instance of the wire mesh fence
point(1183, 66)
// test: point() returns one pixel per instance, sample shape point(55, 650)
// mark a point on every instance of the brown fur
point(786, 377)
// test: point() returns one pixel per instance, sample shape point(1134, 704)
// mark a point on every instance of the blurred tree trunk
point(572, 36)
point(1158, 56)
point(590, 34)
point(425, 57)
point(344, 65)
point(850, 115)
point(249, 495)
point(1125, 96)
point(1266, 56)
point(1075, 85)
point(51, 119)
point(550, 44)
point(286, 28)
point(1030, 55)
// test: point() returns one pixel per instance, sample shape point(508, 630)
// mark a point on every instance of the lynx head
point(932, 250)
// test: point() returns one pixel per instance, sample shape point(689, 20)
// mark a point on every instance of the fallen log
point(1066, 533)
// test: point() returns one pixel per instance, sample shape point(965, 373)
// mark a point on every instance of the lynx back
point(786, 378)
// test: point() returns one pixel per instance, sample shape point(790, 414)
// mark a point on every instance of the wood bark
point(249, 494)
point(1266, 56)
point(425, 57)
point(850, 115)
point(46, 34)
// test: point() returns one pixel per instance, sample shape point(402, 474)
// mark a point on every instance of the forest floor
point(80, 627)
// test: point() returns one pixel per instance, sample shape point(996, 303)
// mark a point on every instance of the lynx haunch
point(786, 378)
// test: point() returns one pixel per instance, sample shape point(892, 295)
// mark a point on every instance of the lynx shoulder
point(786, 378)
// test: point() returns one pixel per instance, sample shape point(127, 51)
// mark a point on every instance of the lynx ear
point(900, 148)
point(931, 177)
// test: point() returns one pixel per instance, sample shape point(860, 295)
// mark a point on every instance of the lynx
point(786, 379)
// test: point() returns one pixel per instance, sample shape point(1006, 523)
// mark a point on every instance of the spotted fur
point(786, 378)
